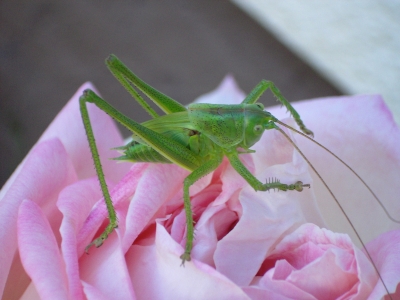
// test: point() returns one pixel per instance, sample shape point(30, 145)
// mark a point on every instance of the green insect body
point(204, 129)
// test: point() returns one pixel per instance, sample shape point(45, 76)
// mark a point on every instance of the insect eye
point(260, 105)
point(258, 128)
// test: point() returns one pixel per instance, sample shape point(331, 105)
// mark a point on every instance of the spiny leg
point(113, 222)
point(200, 172)
point(255, 183)
point(264, 85)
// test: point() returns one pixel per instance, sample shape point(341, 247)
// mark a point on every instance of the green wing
point(175, 126)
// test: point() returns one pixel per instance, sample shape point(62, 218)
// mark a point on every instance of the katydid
point(196, 138)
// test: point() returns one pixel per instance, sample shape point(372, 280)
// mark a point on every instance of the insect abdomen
point(135, 152)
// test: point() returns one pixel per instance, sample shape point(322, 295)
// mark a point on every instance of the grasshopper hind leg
point(113, 221)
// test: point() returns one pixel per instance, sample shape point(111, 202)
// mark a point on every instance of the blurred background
point(183, 48)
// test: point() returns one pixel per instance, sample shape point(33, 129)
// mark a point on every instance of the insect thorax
point(223, 124)
point(229, 125)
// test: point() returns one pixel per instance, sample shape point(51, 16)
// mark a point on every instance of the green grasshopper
point(195, 138)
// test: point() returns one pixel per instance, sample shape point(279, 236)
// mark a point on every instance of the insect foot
point(185, 257)
point(272, 185)
point(100, 240)
point(308, 132)
point(298, 186)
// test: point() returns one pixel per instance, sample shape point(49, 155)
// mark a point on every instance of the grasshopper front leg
point(264, 85)
point(254, 182)
point(200, 172)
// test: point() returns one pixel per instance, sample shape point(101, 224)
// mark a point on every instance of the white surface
point(355, 44)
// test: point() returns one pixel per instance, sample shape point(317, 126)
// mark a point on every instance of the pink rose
point(248, 244)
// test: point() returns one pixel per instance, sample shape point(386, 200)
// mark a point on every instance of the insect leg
point(112, 216)
point(200, 172)
point(264, 85)
point(254, 182)
point(128, 79)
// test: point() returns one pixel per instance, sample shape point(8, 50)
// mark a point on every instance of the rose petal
point(369, 146)
point(214, 223)
point(93, 293)
point(40, 255)
point(232, 181)
point(75, 203)
point(157, 273)
point(157, 184)
point(385, 252)
point(291, 293)
point(105, 270)
point(266, 218)
point(327, 265)
point(30, 293)
point(45, 172)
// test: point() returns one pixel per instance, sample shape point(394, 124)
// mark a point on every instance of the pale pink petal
point(313, 278)
point(215, 222)
point(385, 252)
point(39, 251)
point(267, 217)
point(274, 148)
point(157, 273)
point(360, 130)
point(92, 293)
point(75, 203)
point(105, 269)
point(158, 184)
point(45, 172)
point(120, 193)
point(256, 293)
point(232, 181)
point(276, 158)
point(324, 264)
point(30, 293)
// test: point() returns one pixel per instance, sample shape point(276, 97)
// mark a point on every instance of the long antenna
point(334, 197)
point(344, 163)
